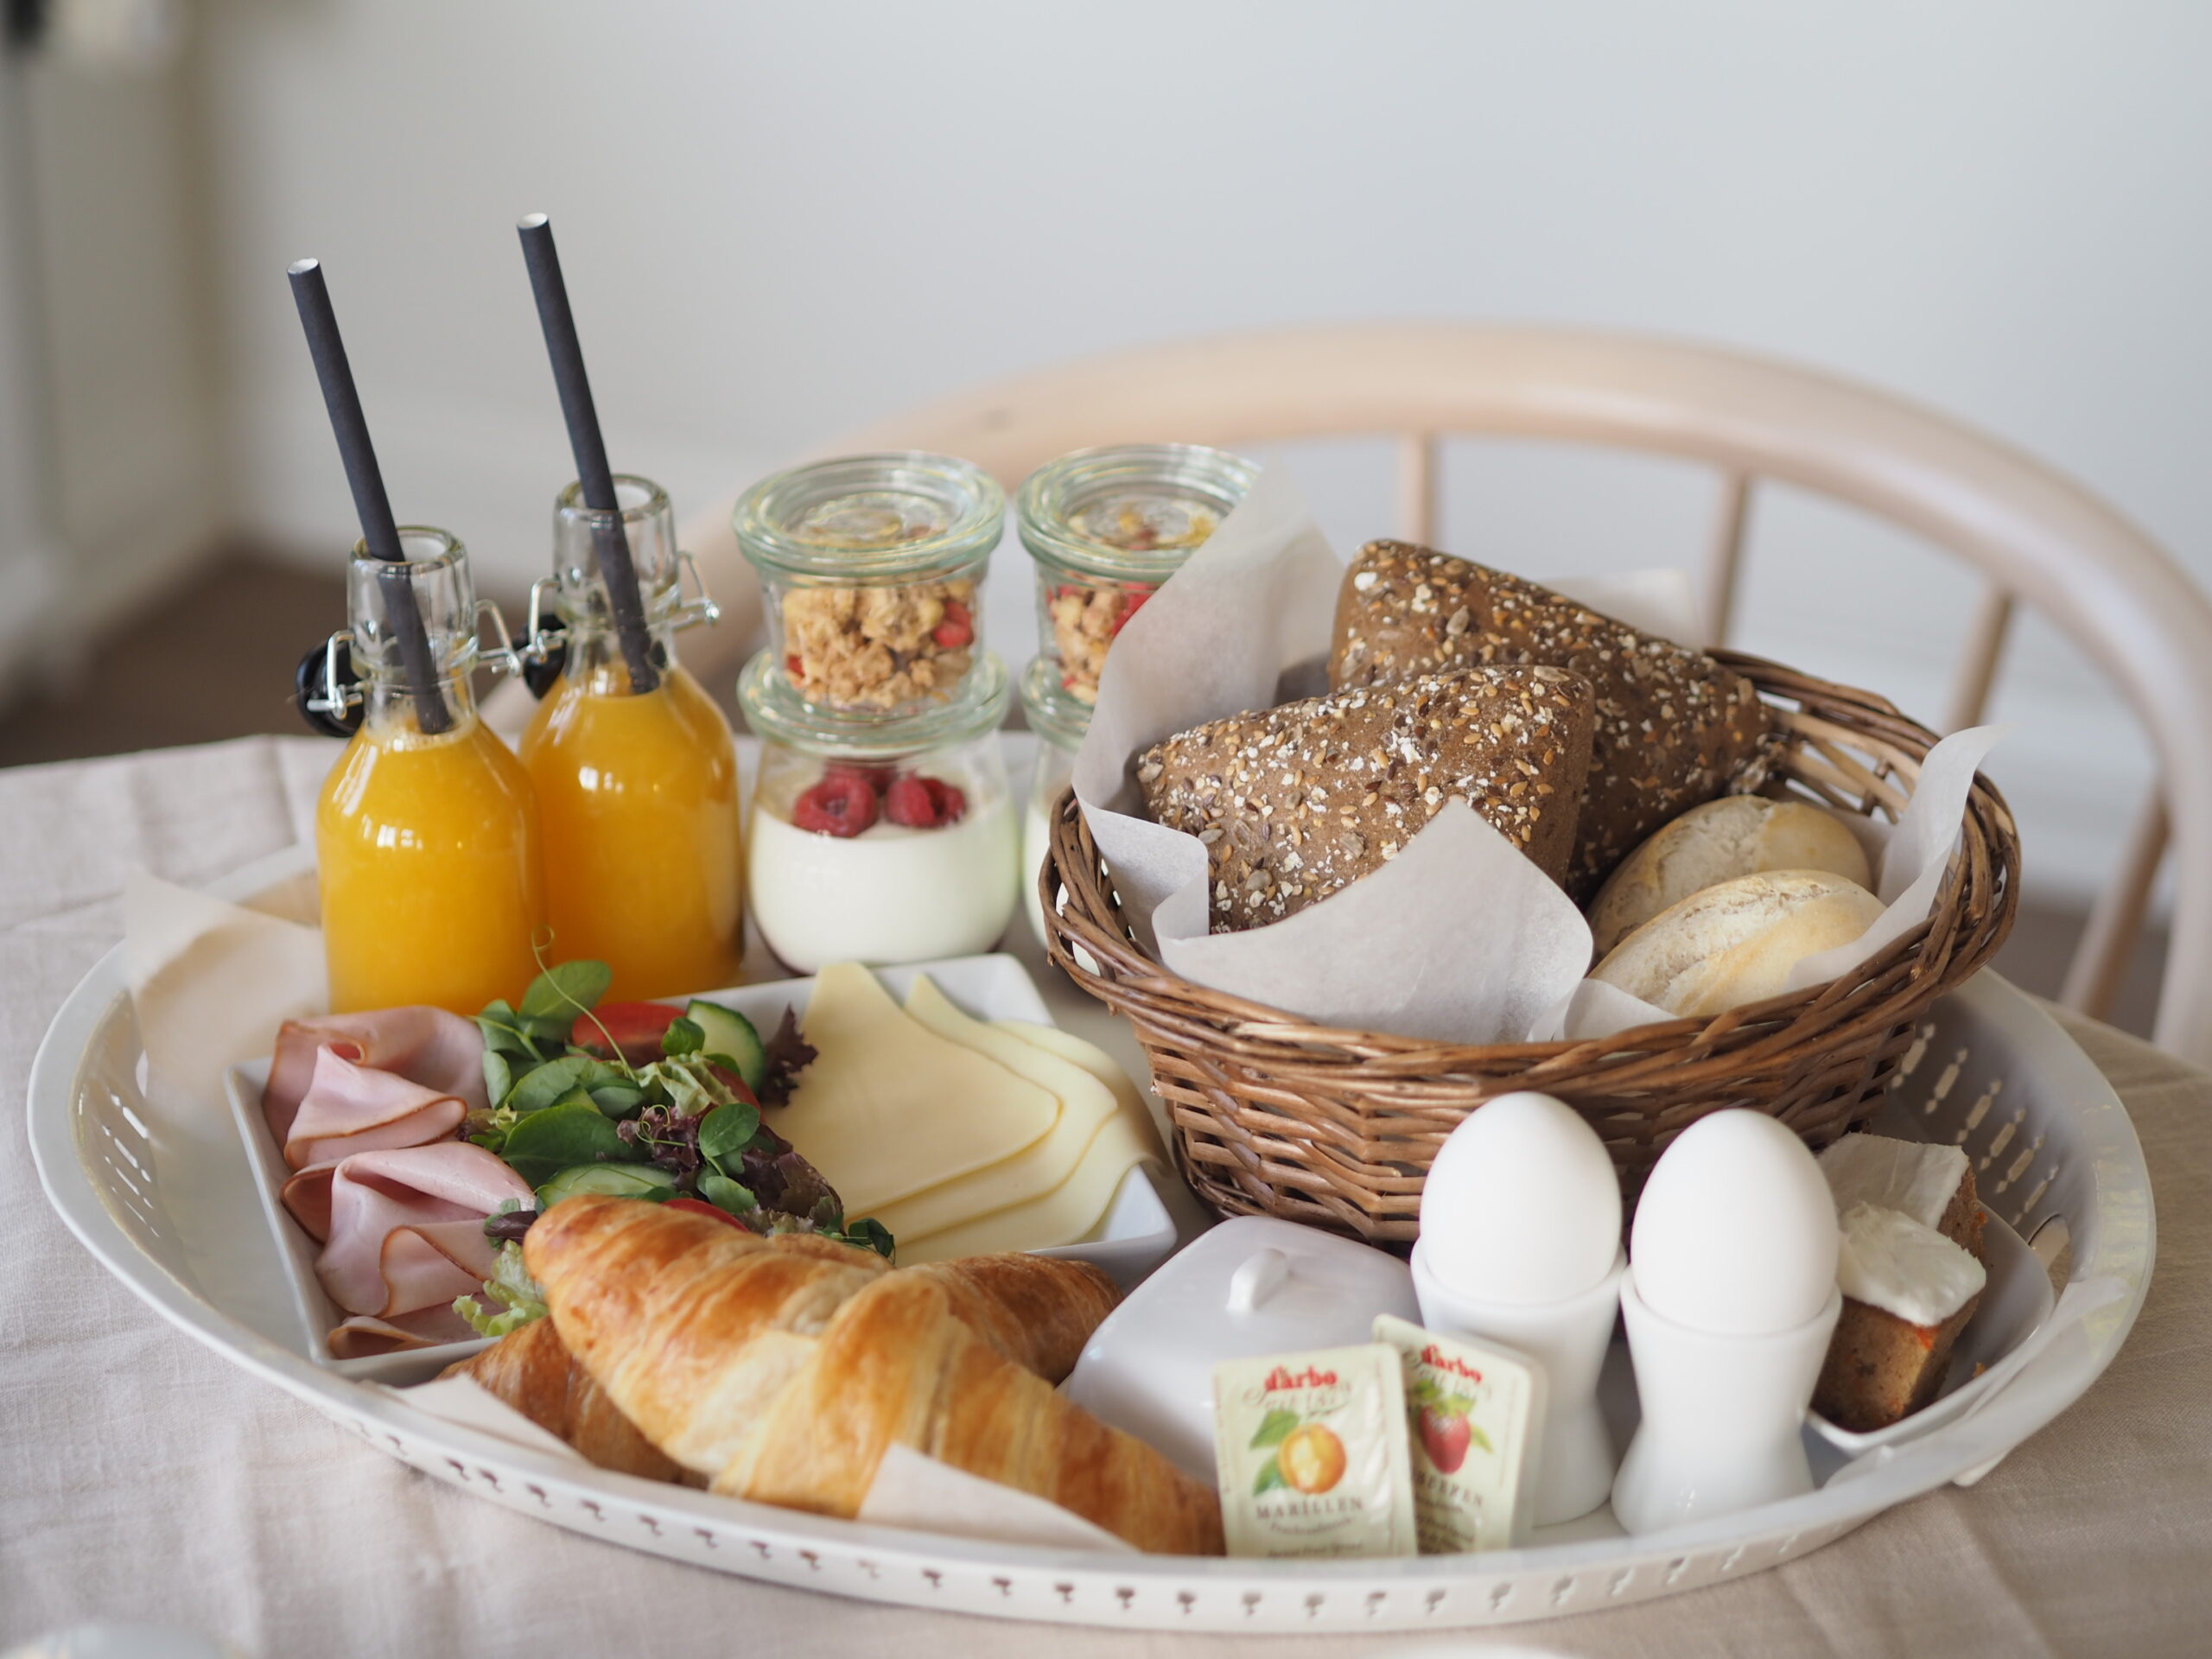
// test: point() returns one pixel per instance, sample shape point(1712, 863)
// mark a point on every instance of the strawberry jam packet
point(1310, 1450)
point(1474, 1411)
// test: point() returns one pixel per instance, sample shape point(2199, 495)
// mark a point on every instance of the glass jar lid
point(865, 520)
point(1129, 511)
point(1058, 720)
point(775, 711)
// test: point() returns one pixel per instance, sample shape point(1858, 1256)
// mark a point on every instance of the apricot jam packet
point(1474, 1411)
point(1310, 1450)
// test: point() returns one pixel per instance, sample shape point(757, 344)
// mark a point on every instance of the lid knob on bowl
point(1259, 1275)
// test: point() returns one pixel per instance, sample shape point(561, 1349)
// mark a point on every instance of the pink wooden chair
point(2039, 538)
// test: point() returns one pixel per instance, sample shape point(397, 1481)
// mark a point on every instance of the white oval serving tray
point(157, 1194)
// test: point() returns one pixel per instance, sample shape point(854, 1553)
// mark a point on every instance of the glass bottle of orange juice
point(426, 833)
point(637, 790)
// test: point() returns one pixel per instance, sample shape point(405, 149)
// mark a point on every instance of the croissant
point(1038, 1313)
point(534, 1373)
point(782, 1370)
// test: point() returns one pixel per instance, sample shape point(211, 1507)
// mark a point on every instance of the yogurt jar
point(1059, 731)
point(1106, 527)
point(884, 842)
point(872, 575)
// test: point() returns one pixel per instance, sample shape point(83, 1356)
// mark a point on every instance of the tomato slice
point(701, 1207)
point(635, 1027)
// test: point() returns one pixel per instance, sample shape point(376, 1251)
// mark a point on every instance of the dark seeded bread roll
point(1674, 725)
point(1297, 801)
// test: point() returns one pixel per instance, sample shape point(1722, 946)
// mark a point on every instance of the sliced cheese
point(1101, 1065)
point(1070, 1211)
point(889, 1109)
point(1084, 1103)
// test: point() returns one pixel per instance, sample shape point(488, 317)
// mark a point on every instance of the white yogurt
point(889, 894)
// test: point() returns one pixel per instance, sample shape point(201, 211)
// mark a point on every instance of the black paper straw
point(371, 504)
point(589, 448)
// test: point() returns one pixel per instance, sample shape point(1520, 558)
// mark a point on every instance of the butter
point(1474, 1414)
point(1889, 1260)
point(1311, 1455)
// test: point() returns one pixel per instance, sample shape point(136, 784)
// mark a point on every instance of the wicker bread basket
point(1275, 1114)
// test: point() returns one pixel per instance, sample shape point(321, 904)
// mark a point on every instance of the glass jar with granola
point(1106, 527)
point(872, 571)
point(880, 841)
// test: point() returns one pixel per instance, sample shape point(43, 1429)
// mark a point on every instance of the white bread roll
point(1737, 834)
point(1736, 943)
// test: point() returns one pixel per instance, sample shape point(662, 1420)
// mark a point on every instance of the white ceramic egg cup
point(1574, 1455)
point(1722, 1416)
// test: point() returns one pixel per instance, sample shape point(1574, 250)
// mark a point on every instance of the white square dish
point(2015, 1303)
point(1135, 1236)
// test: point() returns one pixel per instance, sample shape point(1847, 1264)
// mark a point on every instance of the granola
point(1084, 623)
point(878, 648)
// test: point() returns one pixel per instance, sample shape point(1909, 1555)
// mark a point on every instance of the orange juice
point(637, 795)
point(429, 853)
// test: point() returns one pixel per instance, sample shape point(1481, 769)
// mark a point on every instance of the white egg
point(1735, 1234)
point(1522, 1204)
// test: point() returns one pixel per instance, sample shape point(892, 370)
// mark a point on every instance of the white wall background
point(780, 221)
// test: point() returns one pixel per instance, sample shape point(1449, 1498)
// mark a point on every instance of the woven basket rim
point(1973, 912)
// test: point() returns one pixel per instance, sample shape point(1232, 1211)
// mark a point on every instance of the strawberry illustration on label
point(1445, 1437)
point(1447, 1432)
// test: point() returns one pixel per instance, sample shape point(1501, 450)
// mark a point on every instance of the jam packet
point(1474, 1411)
point(1310, 1450)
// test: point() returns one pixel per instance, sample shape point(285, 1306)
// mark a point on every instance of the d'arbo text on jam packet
point(1311, 1454)
point(1473, 1412)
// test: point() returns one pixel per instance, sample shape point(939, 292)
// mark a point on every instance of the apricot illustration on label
point(1309, 1457)
point(1312, 1458)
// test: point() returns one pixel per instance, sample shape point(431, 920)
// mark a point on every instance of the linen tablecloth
point(142, 1478)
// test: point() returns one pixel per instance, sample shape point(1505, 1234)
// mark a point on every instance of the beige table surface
point(143, 1479)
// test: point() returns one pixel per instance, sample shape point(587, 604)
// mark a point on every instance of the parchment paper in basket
point(910, 1490)
point(1910, 862)
point(211, 982)
point(1460, 937)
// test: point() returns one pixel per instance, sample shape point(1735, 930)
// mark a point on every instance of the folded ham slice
point(441, 1052)
point(365, 1338)
point(403, 1226)
point(350, 1109)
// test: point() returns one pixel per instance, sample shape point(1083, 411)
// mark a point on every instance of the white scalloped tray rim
point(932, 1571)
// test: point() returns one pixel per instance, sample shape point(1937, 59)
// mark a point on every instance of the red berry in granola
point(921, 803)
point(836, 806)
point(793, 667)
point(1131, 602)
point(957, 628)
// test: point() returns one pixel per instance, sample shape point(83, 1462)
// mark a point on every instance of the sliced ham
point(362, 1338)
point(351, 1107)
point(404, 1225)
point(441, 1052)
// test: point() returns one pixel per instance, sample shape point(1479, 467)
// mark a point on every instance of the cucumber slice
point(730, 1034)
point(615, 1180)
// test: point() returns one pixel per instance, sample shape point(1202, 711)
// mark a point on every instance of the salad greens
point(519, 1295)
point(574, 1110)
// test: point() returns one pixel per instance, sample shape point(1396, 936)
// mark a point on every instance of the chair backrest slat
point(1976, 670)
point(2100, 964)
point(1724, 559)
point(1419, 483)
